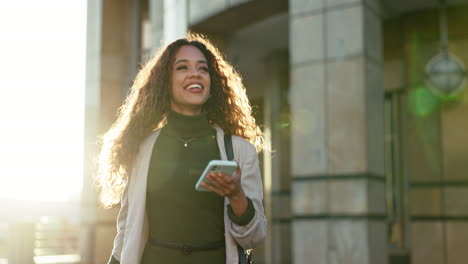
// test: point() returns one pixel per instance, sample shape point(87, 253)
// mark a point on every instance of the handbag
point(245, 256)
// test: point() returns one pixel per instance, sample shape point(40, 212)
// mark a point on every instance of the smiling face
point(190, 81)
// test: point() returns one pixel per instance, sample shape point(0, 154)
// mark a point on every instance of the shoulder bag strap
point(245, 257)
point(228, 146)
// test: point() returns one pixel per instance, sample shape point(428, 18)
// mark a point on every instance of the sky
point(42, 84)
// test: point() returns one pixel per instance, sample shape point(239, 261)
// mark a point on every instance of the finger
point(238, 166)
point(224, 188)
point(220, 189)
point(212, 188)
point(237, 172)
point(225, 178)
point(228, 187)
point(220, 181)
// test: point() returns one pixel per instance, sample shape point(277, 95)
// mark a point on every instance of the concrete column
point(156, 14)
point(169, 21)
point(175, 20)
point(338, 185)
point(92, 114)
point(110, 63)
point(277, 163)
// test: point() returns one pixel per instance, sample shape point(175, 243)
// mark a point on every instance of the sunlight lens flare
point(42, 103)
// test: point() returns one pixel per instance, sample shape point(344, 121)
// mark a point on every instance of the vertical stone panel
point(376, 197)
point(425, 201)
point(373, 35)
point(346, 116)
point(309, 197)
point(375, 119)
point(310, 240)
point(306, 46)
point(427, 245)
point(348, 242)
point(345, 32)
point(455, 201)
point(348, 197)
point(457, 240)
point(308, 120)
point(377, 233)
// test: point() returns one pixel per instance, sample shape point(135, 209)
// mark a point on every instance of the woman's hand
point(229, 187)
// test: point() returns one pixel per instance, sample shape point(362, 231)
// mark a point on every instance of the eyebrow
point(198, 61)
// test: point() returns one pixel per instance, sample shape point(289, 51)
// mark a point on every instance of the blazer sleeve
point(121, 225)
point(253, 233)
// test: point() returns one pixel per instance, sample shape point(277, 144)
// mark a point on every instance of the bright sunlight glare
point(42, 78)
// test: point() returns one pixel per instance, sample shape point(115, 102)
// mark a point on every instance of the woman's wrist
point(238, 196)
point(246, 217)
point(238, 203)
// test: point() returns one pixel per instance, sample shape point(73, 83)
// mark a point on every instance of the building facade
point(369, 165)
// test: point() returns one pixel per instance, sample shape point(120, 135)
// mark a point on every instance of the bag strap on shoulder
point(245, 256)
point(228, 146)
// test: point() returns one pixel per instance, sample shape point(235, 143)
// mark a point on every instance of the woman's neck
point(183, 125)
point(188, 111)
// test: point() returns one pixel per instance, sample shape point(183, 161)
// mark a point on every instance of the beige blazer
point(132, 224)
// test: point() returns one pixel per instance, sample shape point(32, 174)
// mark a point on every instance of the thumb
point(238, 170)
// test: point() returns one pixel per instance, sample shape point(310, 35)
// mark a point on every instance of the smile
point(194, 86)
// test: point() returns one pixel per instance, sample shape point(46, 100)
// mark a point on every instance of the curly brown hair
point(146, 107)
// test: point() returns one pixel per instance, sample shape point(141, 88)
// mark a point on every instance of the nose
point(194, 73)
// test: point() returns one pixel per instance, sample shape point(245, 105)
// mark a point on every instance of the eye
point(205, 69)
point(182, 67)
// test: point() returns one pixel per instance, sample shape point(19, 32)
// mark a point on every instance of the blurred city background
point(363, 101)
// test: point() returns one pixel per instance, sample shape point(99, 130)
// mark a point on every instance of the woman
point(171, 125)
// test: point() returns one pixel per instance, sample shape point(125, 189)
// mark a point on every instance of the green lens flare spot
point(422, 101)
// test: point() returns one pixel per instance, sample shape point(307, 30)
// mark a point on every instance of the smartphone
point(225, 166)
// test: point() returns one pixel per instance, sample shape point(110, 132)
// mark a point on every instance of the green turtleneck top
point(176, 211)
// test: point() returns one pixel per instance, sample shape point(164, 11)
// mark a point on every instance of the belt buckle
point(187, 249)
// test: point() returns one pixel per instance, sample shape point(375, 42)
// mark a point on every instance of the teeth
point(194, 86)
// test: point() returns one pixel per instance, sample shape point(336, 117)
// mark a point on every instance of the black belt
point(187, 248)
